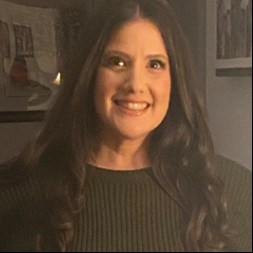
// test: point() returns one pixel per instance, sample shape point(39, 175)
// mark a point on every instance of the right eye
point(115, 62)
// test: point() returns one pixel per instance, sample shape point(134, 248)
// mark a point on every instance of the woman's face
point(133, 82)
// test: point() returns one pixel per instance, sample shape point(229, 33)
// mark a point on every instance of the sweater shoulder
point(18, 187)
point(232, 173)
point(237, 181)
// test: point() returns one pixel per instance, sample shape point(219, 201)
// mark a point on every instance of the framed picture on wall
point(29, 61)
point(233, 34)
point(4, 39)
point(24, 41)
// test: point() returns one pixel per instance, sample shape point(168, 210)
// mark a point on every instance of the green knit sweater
point(123, 211)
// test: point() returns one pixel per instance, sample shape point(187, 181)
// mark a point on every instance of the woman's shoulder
point(21, 206)
point(14, 172)
point(231, 171)
point(18, 186)
point(237, 181)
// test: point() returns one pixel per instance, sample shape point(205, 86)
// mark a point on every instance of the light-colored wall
point(229, 104)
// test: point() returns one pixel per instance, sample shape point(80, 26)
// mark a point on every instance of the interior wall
point(15, 136)
point(229, 100)
point(192, 15)
point(229, 103)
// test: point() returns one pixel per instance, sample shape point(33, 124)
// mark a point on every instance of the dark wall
point(192, 15)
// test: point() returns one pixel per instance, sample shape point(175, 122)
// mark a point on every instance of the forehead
point(135, 34)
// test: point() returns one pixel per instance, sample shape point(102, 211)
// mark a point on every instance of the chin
point(133, 135)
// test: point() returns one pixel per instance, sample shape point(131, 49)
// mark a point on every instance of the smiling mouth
point(132, 106)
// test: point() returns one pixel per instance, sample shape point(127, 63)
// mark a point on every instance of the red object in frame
point(19, 72)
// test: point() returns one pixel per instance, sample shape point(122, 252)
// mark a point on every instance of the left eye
point(156, 64)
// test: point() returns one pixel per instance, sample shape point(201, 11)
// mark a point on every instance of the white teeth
point(133, 106)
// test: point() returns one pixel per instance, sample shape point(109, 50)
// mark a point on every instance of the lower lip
point(129, 112)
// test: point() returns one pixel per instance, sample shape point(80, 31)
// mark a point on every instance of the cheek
point(106, 82)
point(102, 86)
point(161, 92)
point(105, 88)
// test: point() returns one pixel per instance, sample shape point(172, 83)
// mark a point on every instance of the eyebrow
point(123, 54)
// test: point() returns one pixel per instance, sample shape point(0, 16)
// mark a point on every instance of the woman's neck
point(124, 155)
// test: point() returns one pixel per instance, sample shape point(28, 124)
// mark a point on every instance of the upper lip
point(125, 100)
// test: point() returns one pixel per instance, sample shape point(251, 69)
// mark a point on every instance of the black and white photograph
point(234, 32)
point(24, 41)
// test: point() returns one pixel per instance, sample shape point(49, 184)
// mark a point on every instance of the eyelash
point(161, 64)
point(115, 61)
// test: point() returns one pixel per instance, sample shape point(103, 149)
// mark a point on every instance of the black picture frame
point(22, 116)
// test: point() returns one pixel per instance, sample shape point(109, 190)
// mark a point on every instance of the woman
point(125, 161)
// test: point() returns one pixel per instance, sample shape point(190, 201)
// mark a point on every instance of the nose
point(136, 81)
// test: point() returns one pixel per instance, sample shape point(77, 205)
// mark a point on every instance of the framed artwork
point(30, 52)
point(5, 39)
point(36, 41)
point(233, 21)
point(23, 41)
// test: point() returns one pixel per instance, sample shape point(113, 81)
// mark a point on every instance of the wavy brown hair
point(181, 149)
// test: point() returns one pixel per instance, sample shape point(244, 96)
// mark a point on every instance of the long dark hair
point(181, 149)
